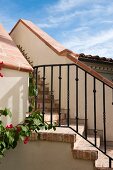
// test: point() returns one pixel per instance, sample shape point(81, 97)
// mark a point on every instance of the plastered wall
point(14, 94)
point(43, 156)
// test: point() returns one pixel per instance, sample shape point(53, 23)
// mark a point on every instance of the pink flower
point(9, 126)
point(1, 75)
point(26, 140)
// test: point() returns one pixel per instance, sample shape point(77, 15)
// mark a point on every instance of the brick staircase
point(81, 149)
point(48, 98)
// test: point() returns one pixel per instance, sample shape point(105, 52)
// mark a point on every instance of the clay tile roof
point(10, 54)
point(95, 58)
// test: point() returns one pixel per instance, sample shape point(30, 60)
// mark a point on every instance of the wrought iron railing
point(61, 78)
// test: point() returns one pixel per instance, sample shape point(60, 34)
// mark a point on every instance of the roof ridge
point(83, 56)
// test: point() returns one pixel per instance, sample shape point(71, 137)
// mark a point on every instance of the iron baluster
point(77, 98)
point(51, 92)
point(85, 105)
point(110, 162)
point(68, 93)
point(36, 85)
point(104, 117)
point(95, 124)
point(60, 78)
point(43, 105)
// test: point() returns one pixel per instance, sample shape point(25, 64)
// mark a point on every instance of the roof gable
point(48, 40)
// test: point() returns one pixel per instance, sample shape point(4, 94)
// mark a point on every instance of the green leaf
point(37, 122)
point(21, 137)
point(6, 112)
point(24, 128)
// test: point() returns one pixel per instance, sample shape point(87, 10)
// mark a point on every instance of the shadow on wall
point(14, 97)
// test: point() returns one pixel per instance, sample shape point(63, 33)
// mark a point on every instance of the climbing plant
point(10, 135)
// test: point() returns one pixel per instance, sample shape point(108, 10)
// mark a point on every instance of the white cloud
point(55, 21)
point(45, 25)
point(65, 5)
point(100, 44)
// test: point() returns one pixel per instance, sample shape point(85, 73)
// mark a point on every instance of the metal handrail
point(59, 66)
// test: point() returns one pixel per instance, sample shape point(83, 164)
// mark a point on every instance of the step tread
point(104, 159)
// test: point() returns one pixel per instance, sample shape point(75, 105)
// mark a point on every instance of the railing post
point(95, 123)
point(60, 78)
point(110, 162)
point(51, 92)
point(77, 98)
point(43, 105)
point(68, 96)
point(85, 105)
point(36, 79)
point(104, 117)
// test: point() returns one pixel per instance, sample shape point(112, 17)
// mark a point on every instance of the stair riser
point(47, 97)
point(45, 92)
point(63, 111)
point(47, 100)
point(47, 105)
point(40, 88)
point(55, 118)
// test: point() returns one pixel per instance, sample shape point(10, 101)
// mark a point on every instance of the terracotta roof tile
point(10, 54)
point(95, 58)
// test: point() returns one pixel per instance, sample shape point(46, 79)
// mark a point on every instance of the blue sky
point(84, 26)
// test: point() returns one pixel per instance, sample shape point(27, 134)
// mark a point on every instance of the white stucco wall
point(14, 94)
point(43, 155)
point(41, 54)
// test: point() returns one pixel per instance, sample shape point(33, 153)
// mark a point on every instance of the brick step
point(68, 136)
point(92, 140)
point(72, 121)
point(40, 88)
point(47, 105)
point(46, 100)
point(55, 117)
point(54, 110)
point(102, 160)
point(84, 150)
point(45, 92)
point(41, 84)
point(47, 96)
